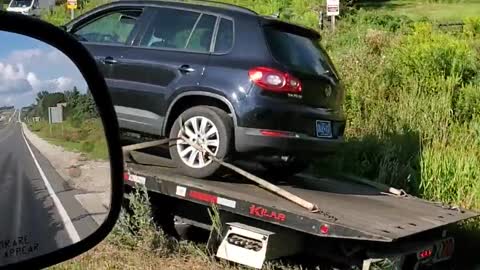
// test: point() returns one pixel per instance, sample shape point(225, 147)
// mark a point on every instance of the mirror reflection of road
point(38, 211)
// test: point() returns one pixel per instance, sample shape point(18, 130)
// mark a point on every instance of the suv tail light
point(274, 80)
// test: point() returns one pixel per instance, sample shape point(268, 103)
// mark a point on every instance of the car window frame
point(155, 10)
point(195, 28)
point(100, 14)
point(269, 46)
point(217, 26)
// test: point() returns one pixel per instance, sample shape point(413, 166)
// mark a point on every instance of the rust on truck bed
point(347, 210)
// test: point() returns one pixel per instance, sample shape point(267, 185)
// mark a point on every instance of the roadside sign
point(72, 4)
point(55, 115)
point(333, 7)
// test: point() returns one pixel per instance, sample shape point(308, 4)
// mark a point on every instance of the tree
point(40, 96)
point(48, 100)
point(72, 96)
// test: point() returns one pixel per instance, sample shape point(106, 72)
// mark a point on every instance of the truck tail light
point(425, 254)
point(270, 79)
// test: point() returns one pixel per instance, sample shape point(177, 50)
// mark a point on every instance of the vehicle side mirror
point(60, 156)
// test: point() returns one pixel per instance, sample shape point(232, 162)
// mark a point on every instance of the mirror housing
point(78, 54)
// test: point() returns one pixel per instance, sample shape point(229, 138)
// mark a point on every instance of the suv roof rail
point(226, 5)
point(205, 2)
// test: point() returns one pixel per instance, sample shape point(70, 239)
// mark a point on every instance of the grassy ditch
point(87, 138)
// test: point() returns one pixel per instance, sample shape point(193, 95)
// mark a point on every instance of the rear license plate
point(324, 129)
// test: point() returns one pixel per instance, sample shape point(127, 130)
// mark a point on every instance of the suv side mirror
point(61, 183)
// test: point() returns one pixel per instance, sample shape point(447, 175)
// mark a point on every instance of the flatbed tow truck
point(355, 224)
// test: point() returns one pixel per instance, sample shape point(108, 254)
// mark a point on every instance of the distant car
point(30, 7)
point(242, 83)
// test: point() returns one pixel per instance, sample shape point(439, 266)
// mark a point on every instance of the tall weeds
point(412, 105)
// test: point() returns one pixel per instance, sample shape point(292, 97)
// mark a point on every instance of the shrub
point(467, 106)
point(87, 147)
point(472, 27)
point(429, 57)
point(409, 94)
point(377, 41)
point(387, 22)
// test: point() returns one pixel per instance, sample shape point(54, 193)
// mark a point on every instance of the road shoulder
point(89, 177)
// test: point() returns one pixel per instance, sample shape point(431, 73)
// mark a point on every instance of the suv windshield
point(21, 3)
point(299, 53)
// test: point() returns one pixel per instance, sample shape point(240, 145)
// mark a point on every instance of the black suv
point(241, 83)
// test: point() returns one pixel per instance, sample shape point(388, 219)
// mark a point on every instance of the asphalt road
point(38, 210)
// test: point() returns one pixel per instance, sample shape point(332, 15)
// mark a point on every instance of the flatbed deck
point(348, 210)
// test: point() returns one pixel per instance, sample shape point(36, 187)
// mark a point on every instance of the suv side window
point(179, 29)
point(224, 36)
point(113, 28)
point(202, 35)
point(169, 29)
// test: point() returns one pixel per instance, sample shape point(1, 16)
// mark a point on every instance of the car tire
point(217, 121)
point(280, 168)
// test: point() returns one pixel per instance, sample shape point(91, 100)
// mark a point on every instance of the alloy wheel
point(199, 130)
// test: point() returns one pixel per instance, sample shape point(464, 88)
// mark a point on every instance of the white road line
point(71, 231)
point(11, 116)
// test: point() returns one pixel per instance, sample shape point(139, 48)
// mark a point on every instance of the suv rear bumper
point(252, 140)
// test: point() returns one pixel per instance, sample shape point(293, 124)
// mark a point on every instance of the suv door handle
point(186, 69)
point(109, 60)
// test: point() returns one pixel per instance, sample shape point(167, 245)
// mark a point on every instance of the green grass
point(88, 138)
point(452, 10)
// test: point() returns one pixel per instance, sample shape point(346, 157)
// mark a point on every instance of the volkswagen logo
point(328, 91)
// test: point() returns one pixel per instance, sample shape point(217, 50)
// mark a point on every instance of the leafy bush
point(377, 41)
point(384, 21)
point(472, 27)
point(429, 57)
point(412, 106)
point(87, 147)
point(80, 107)
point(467, 106)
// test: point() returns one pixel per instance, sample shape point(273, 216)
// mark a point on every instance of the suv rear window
point(298, 52)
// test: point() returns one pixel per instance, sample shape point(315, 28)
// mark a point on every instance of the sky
point(28, 66)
